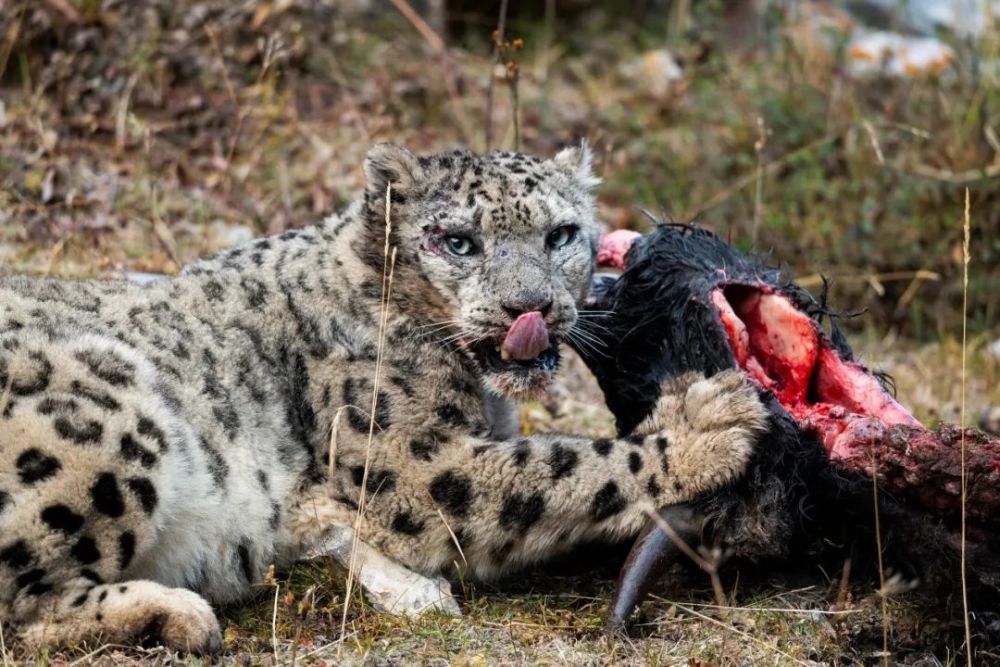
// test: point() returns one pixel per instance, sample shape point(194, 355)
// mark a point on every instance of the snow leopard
point(351, 384)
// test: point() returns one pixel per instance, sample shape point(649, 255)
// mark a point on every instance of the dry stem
point(388, 264)
point(497, 47)
point(883, 591)
point(965, 316)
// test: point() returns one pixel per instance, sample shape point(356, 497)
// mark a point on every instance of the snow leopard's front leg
point(490, 506)
point(514, 503)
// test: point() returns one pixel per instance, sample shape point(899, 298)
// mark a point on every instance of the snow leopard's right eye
point(460, 245)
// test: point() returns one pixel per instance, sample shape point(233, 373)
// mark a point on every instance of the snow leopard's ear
point(576, 162)
point(388, 163)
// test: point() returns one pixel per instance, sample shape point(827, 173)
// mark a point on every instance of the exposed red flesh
point(527, 337)
point(782, 350)
point(779, 346)
point(850, 385)
point(864, 430)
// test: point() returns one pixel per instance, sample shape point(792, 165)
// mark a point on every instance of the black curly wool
point(657, 320)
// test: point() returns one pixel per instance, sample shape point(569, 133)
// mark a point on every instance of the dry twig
point(498, 38)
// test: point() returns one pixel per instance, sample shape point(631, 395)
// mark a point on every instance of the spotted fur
point(162, 445)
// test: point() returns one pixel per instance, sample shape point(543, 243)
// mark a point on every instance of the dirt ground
point(139, 136)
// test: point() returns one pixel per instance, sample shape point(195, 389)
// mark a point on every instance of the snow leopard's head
point(496, 249)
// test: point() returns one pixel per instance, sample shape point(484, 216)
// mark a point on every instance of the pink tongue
point(527, 337)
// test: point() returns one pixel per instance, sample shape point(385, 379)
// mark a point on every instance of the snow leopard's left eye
point(561, 236)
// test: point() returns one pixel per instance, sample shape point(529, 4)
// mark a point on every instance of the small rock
point(823, 623)
point(898, 56)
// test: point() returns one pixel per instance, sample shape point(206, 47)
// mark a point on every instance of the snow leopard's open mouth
point(520, 360)
point(490, 356)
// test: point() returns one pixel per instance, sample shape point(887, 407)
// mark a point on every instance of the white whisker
point(587, 349)
point(591, 346)
point(441, 324)
point(583, 324)
point(588, 335)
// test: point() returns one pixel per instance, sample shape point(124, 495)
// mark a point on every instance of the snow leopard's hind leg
point(124, 613)
point(84, 493)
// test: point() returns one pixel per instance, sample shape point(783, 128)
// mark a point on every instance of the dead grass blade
point(274, 622)
point(55, 254)
point(769, 610)
point(873, 138)
point(883, 591)
point(88, 659)
point(121, 114)
point(3, 647)
point(946, 176)
point(164, 235)
point(334, 432)
point(454, 538)
point(966, 227)
point(388, 266)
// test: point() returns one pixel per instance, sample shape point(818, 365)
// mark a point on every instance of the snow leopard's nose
point(517, 307)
